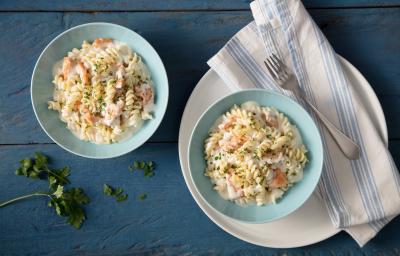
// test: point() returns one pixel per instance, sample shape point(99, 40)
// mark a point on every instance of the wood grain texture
point(147, 5)
point(168, 222)
point(369, 38)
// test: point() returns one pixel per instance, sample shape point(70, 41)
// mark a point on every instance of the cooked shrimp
point(120, 77)
point(100, 42)
point(77, 104)
point(88, 116)
point(145, 92)
point(228, 124)
point(83, 73)
point(66, 67)
point(234, 143)
point(280, 179)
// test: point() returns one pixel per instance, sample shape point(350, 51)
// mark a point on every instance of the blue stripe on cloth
point(379, 224)
point(253, 26)
point(326, 176)
point(366, 202)
point(241, 64)
point(357, 166)
point(353, 120)
point(331, 183)
point(395, 173)
point(261, 70)
point(348, 121)
point(265, 33)
point(263, 30)
point(342, 107)
point(249, 65)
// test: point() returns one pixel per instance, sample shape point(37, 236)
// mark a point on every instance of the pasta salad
point(103, 91)
point(254, 154)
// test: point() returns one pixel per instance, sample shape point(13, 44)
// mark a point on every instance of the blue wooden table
point(186, 34)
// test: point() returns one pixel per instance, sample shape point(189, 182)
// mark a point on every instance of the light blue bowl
point(296, 195)
point(42, 88)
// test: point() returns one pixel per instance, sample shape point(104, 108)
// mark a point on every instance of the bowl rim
point(320, 166)
point(162, 110)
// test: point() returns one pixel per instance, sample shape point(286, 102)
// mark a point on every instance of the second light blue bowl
point(296, 195)
point(42, 88)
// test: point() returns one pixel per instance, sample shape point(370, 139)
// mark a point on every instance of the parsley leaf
point(69, 204)
point(117, 193)
point(122, 198)
point(107, 190)
point(148, 167)
point(142, 196)
point(58, 177)
point(76, 217)
point(38, 168)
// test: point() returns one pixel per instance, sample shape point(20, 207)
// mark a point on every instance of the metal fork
point(288, 81)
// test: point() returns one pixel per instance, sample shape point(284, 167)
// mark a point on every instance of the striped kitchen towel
point(361, 196)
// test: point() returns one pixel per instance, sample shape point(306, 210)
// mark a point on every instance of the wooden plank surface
point(368, 38)
point(167, 222)
point(152, 5)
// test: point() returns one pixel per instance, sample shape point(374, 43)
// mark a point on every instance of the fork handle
point(349, 148)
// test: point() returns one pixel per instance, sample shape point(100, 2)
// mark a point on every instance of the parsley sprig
point(37, 168)
point(117, 193)
point(66, 203)
point(142, 196)
point(148, 167)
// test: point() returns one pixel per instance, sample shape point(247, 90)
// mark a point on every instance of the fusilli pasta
point(254, 154)
point(103, 91)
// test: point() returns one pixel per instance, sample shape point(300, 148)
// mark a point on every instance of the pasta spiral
point(103, 91)
point(254, 154)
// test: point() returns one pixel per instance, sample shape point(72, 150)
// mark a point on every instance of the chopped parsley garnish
point(148, 167)
point(142, 196)
point(218, 157)
point(117, 193)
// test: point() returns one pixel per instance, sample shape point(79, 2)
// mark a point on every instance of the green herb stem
point(58, 176)
point(23, 197)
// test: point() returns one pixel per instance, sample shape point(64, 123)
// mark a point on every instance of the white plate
point(307, 225)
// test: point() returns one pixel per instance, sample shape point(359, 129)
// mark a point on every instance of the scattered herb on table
point(66, 203)
point(117, 193)
point(38, 168)
point(142, 196)
point(148, 167)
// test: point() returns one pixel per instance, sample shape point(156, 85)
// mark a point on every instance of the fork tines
point(276, 67)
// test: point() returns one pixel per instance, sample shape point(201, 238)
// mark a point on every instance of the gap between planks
point(202, 10)
point(52, 143)
point(147, 142)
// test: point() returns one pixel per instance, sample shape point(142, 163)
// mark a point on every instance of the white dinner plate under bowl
point(310, 223)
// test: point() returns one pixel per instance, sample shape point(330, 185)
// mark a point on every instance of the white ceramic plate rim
point(163, 108)
point(224, 222)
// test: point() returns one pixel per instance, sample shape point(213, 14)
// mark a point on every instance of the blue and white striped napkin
point(361, 196)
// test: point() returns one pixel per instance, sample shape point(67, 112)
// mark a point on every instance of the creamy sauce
point(237, 137)
point(78, 113)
